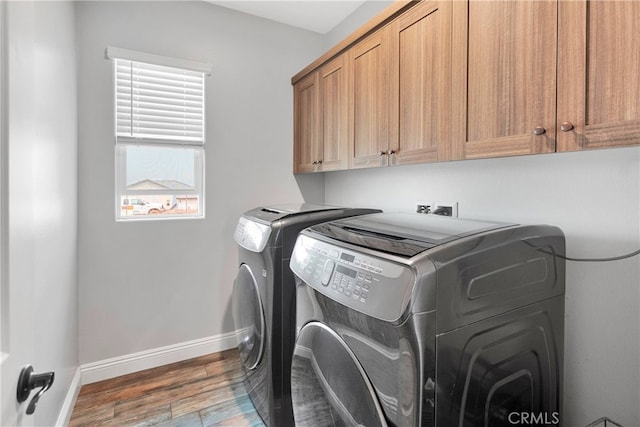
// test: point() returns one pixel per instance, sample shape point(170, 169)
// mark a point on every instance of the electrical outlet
point(445, 208)
point(424, 207)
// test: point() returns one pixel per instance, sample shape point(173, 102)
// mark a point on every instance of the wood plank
point(188, 420)
point(143, 387)
point(239, 409)
point(212, 384)
point(241, 421)
point(224, 367)
point(133, 378)
point(219, 396)
point(92, 414)
point(169, 395)
point(149, 417)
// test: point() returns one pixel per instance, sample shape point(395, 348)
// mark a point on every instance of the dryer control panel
point(251, 235)
point(371, 285)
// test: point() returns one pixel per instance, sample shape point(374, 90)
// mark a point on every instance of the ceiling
point(320, 16)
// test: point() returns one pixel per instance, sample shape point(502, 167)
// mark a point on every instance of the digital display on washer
point(344, 270)
point(347, 257)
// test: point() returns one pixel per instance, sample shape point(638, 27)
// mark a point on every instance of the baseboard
point(70, 400)
point(122, 365)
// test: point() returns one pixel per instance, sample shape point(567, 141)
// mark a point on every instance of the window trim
point(122, 142)
point(112, 52)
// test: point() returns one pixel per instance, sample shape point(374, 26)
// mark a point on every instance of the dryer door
point(328, 385)
point(248, 316)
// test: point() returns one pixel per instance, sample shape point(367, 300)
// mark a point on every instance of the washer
point(423, 320)
point(263, 302)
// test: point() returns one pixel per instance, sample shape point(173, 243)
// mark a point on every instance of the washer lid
point(273, 213)
point(254, 227)
point(402, 234)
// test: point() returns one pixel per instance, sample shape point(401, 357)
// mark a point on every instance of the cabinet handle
point(319, 162)
point(566, 126)
point(391, 152)
point(314, 163)
point(539, 130)
point(383, 153)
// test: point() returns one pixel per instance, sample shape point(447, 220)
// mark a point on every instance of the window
point(160, 135)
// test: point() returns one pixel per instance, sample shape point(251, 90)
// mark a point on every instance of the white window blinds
point(159, 103)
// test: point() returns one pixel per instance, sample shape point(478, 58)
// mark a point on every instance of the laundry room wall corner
point(150, 284)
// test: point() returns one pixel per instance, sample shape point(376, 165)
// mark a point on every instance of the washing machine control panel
point(369, 284)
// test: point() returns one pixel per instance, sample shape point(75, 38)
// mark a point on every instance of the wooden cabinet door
point(370, 132)
point(306, 127)
point(421, 84)
point(334, 95)
point(598, 69)
point(504, 77)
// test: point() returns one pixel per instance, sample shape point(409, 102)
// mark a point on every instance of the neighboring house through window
point(160, 135)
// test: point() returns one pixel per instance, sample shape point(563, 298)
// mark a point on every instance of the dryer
point(263, 301)
point(422, 320)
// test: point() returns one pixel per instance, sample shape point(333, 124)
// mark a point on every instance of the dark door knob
point(539, 130)
point(566, 126)
point(28, 381)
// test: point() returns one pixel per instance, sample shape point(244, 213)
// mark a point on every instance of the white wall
point(42, 223)
point(361, 15)
point(145, 285)
point(594, 198)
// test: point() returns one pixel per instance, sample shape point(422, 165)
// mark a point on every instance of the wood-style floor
point(205, 391)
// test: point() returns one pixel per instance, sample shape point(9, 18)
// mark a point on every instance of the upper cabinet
point(598, 66)
point(505, 77)
point(402, 90)
point(334, 102)
point(462, 79)
point(306, 124)
point(321, 121)
point(371, 109)
point(421, 82)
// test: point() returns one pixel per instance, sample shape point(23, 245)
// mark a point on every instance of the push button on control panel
point(326, 273)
